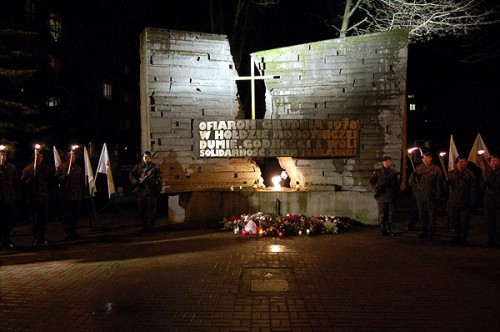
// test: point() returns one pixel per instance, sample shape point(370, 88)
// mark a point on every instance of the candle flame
point(480, 152)
point(276, 182)
point(442, 154)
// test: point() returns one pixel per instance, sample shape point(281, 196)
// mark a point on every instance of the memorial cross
point(252, 79)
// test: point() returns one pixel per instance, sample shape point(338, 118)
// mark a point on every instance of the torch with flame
point(410, 156)
point(441, 160)
point(37, 151)
point(73, 149)
point(2, 148)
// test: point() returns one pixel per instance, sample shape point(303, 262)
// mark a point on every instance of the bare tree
point(424, 19)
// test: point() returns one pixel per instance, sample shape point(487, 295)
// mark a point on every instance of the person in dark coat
point(35, 178)
point(428, 183)
point(146, 178)
point(10, 193)
point(492, 198)
point(71, 180)
point(386, 183)
point(462, 198)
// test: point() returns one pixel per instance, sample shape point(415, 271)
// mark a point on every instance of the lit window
point(55, 26)
point(107, 91)
point(53, 101)
point(413, 107)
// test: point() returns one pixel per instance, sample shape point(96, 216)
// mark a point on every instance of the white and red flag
point(89, 174)
point(104, 167)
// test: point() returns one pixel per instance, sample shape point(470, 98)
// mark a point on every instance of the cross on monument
point(252, 79)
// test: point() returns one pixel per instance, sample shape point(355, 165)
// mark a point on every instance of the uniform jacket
point(463, 187)
point(10, 189)
point(428, 182)
point(72, 185)
point(492, 184)
point(386, 183)
point(146, 177)
point(36, 187)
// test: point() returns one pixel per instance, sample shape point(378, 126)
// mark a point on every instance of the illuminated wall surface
point(347, 97)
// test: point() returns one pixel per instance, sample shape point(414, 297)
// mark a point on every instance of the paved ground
point(202, 279)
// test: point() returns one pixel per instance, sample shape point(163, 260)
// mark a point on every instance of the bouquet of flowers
point(269, 224)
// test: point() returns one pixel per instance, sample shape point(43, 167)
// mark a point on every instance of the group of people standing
point(428, 185)
point(36, 184)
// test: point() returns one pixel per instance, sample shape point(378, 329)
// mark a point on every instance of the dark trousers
point(459, 217)
point(70, 211)
point(147, 209)
point(427, 215)
point(39, 215)
point(6, 222)
point(492, 213)
point(385, 213)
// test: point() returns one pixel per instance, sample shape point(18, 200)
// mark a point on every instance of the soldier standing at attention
point(385, 181)
point(463, 191)
point(72, 181)
point(146, 177)
point(10, 192)
point(35, 178)
point(492, 198)
point(428, 183)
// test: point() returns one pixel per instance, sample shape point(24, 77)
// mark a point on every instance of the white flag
point(57, 158)
point(474, 156)
point(89, 174)
point(104, 167)
point(452, 154)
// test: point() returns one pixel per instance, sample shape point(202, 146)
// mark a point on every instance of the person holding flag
point(491, 177)
point(72, 183)
point(146, 178)
point(463, 195)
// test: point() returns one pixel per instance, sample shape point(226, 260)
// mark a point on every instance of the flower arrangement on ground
point(269, 224)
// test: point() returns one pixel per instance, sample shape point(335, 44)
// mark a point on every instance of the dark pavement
point(186, 278)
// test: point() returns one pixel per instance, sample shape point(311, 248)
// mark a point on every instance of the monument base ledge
point(211, 206)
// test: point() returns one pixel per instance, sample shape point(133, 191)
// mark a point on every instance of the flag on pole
point(104, 167)
point(57, 158)
point(452, 154)
point(474, 156)
point(89, 174)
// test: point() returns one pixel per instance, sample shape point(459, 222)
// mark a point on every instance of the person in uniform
point(10, 193)
point(462, 198)
point(35, 178)
point(71, 180)
point(386, 183)
point(491, 201)
point(428, 183)
point(147, 180)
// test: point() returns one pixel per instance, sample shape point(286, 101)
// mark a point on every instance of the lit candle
point(300, 233)
point(308, 232)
